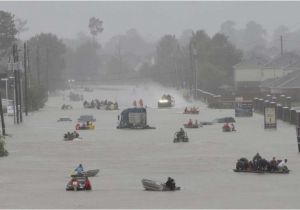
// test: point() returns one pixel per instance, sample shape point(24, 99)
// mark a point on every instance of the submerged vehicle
point(180, 137)
point(134, 118)
point(89, 173)
point(166, 101)
point(156, 186)
point(79, 183)
point(224, 120)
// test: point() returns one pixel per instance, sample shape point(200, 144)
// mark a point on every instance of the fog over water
point(36, 171)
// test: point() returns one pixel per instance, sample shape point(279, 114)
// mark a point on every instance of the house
point(287, 85)
point(250, 74)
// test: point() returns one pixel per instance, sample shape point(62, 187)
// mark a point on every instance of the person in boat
point(273, 164)
point(75, 134)
point(282, 166)
point(79, 170)
point(256, 159)
point(186, 110)
point(232, 127)
point(69, 135)
point(226, 126)
point(87, 184)
point(181, 133)
point(190, 123)
point(170, 184)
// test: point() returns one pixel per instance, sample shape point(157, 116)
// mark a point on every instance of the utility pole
point(2, 117)
point(47, 70)
point(20, 94)
point(191, 63)
point(281, 45)
point(16, 60)
point(25, 82)
point(28, 82)
point(38, 65)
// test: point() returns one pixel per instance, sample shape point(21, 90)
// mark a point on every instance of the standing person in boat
point(79, 170)
point(256, 159)
point(273, 164)
point(190, 123)
point(186, 110)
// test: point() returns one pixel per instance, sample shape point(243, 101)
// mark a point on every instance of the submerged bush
point(3, 151)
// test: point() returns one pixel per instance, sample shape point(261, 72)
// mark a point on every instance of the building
point(252, 76)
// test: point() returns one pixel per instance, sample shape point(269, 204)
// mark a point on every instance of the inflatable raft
point(155, 186)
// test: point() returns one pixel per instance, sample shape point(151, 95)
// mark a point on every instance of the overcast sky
point(151, 19)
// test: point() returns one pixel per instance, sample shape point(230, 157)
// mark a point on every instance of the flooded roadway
point(35, 173)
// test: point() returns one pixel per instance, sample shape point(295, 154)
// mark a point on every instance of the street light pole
point(6, 93)
point(14, 102)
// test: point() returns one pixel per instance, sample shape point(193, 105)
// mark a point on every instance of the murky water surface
point(36, 171)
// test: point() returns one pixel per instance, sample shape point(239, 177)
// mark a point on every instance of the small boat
point(155, 186)
point(191, 126)
point(64, 119)
point(183, 138)
point(77, 184)
point(89, 173)
point(87, 127)
point(262, 172)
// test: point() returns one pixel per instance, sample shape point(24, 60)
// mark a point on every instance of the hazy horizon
point(67, 19)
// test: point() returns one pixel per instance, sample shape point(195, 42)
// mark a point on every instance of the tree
point(20, 25)
point(185, 37)
point(213, 59)
point(86, 61)
point(167, 54)
point(47, 60)
point(228, 29)
point(95, 26)
point(254, 36)
point(8, 32)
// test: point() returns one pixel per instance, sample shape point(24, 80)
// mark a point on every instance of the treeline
point(191, 60)
point(204, 62)
point(45, 56)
